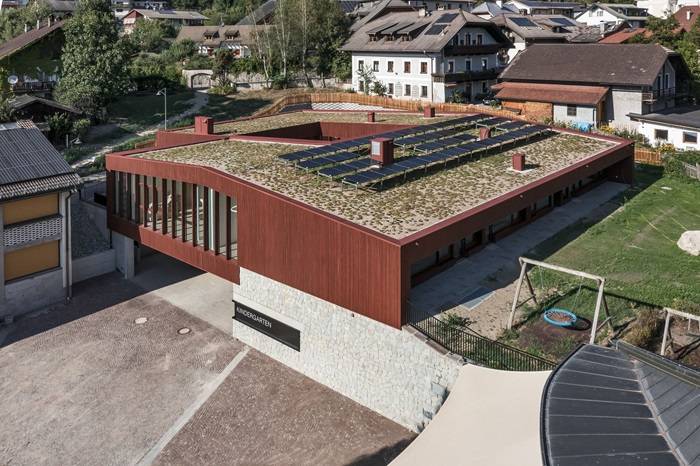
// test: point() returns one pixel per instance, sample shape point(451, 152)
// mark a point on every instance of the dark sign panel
point(271, 327)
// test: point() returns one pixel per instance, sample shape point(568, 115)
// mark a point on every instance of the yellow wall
point(27, 209)
point(31, 260)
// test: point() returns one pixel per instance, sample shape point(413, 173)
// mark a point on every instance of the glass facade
point(188, 212)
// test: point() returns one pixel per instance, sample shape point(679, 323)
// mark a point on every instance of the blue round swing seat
point(560, 317)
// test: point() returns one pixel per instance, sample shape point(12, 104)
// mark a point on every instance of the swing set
point(559, 316)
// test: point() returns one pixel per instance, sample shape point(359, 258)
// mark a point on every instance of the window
point(484, 63)
point(461, 39)
point(661, 134)
point(667, 81)
point(468, 64)
point(375, 65)
point(600, 13)
point(484, 87)
point(361, 86)
point(360, 64)
point(390, 67)
point(390, 89)
point(690, 138)
point(571, 110)
point(479, 39)
point(469, 39)
point(407, 90)
point(423, 67)
point(424, 91)
point(407, 67)
point(451, 66)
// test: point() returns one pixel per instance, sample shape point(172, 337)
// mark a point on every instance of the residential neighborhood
point(349, 232)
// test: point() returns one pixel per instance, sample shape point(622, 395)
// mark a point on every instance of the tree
point(94, 59)
point(148, 36)
point(366, 76)
point(13, 21)
point(329, 28)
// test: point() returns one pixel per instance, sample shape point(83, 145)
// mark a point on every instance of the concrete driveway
point(83, 384)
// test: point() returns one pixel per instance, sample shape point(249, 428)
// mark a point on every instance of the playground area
point(630, 242)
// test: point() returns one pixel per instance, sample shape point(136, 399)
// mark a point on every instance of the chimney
point(688, 15)
point(26, 27)
point(422, 12)
point(602, 28)
point(519, 162)
point(38, 23)
point(382, 151)
point(484, 133)
point(203, 125)
point(370, 117)
point(49, 21)
point(429, 112)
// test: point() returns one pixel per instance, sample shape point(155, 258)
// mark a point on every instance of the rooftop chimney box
point(484, 133)
point(519, 162)
point(203, 125)
point(370, 117)
point(429, 112)
point(382, 150)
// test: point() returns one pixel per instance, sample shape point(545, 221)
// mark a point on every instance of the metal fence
point(477, 348)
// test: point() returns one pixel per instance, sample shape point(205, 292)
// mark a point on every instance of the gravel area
point(85, 237)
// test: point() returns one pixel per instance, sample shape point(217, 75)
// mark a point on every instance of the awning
point(491, 417)
point(551, 93)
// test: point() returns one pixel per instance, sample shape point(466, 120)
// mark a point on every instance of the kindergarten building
point(324, 221)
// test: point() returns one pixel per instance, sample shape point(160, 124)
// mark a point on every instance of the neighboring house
point(604, 82)
point(36, 109)
point(535, 7)
point(383, 8)
point(261, 15)
point(679, 126)
point(687, 17)
point(122, 7)
point(445, 56)
point(624, 35)
point(35, 186)
point(62, 8)
point(34, 57)
point(437, 5)
point(613, 13)
point(175, 17)
point(209, 39)
point(489, 9)
point(524, 31)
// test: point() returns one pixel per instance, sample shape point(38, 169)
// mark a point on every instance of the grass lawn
point(634, 249)
point(134, 112)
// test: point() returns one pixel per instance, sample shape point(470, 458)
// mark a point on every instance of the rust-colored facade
point(332, 258)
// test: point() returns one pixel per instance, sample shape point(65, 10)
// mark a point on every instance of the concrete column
point(124, 254)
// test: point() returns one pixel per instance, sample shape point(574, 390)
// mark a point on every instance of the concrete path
point(496, 266)
point(200, 294)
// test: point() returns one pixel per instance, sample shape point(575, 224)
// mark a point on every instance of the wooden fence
point(692, 171)
point(386, 102)
point(648, 156)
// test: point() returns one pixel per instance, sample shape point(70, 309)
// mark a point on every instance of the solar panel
point(397, 27)
point(523, 22)
point(563, 21)
point(382, 27)
point(435, 29)
point(343, 156)
point(314, 163)
point(25, 154)
point(446, 18)
point(344, 168)
point(412, 28)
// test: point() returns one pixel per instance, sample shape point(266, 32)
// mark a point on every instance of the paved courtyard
point(84, 384)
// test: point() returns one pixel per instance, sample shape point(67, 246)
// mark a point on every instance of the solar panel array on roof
point(523, 22)
point(25, 154)
point(397, 27)
point(446, 18)
point(412, 28)
point(435, 29)
point(379, 29)
point(563, 21)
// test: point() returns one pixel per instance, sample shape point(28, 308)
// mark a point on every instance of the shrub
point(674, 163)
point(60, 125)
point(73, 154)
point(644, 329)
point(227, 88)
point(378, 88)
point(80, 127)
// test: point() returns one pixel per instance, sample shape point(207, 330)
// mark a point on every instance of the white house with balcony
point(613, 13)
point(444, 56)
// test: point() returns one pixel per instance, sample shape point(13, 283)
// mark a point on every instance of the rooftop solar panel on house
point(446, 18)
point(435, 29)
point(523, 22)
point(379, 29)
point(512, 125)
point(563, 21)
point(412, 28)
point(314, 163)
point(397, 27)
point(343, 156)
point(347, 167)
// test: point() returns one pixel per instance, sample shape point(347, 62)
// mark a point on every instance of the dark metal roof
point(606, 64)
point(621, 406)
point(684, 117)
point(21, 101)
point(26, 156)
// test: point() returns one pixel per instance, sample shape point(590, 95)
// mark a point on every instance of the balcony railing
point(465, 76)
point(668, 93)
point(37, 86)
point(472, 49)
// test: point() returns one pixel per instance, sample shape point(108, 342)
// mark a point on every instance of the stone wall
point(393, 372)
point(93, 265)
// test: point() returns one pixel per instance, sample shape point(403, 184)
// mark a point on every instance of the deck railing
point(476, 348)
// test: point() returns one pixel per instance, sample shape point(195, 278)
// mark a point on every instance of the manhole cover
point(141, 320)
point(184, 331)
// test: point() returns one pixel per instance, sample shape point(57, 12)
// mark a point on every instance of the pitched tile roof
point(622, 36)
point(600, 64)
point(29, 164)
point(28, 38)
point(554, 93)
point(241, 34)
point(682, 16)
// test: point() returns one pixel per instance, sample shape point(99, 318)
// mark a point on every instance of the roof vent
point(519, 162)
point(203, 125)
point(382, 151)
point(484, 133)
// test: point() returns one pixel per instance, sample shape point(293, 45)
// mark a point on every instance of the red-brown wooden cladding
point(285, 240)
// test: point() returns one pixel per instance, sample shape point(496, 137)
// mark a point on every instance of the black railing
point(465, 76)
point(477, 348)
